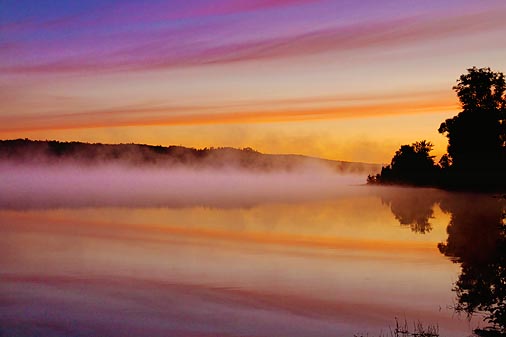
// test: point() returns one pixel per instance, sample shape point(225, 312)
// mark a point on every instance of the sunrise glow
point(335, 79)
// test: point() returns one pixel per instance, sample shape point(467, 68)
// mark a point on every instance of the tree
point(476, 158)
point(411, 164)
point(477, 135)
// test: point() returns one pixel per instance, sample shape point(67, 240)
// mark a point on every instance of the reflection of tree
point(412, 207)
point(477, 240)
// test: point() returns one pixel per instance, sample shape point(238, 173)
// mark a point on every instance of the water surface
point(338, 265)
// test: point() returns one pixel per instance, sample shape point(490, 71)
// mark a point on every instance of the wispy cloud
point(133, 12)
point(71, 65)
point(169, 51)
point(283, 110)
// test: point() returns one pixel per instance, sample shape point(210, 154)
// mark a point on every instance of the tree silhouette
point(477, 135)
point(476, 158)
point(411, 165)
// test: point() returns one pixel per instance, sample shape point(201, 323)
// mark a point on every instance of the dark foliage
point(476, 158)
point(477, 135)
point(411, 165)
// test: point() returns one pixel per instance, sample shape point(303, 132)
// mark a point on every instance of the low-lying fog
point(67, 185)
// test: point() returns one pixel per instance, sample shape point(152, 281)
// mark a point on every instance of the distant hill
point(54, 152)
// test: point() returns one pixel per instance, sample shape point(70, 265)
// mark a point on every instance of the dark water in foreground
point(334, 266)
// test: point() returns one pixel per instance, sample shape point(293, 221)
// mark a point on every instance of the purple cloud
point(181, 47)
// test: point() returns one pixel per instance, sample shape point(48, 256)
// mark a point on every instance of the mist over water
point(309, 251)
point(72, 185)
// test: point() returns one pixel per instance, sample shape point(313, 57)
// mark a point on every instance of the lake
point(341, 264)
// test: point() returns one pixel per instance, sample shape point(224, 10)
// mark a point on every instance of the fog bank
point(67, 185)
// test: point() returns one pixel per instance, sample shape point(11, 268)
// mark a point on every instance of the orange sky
point(321, 78)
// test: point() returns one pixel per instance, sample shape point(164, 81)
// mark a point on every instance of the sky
point(348, 80)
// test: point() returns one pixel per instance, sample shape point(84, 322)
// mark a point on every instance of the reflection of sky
point(250, 73)
point(316, 268)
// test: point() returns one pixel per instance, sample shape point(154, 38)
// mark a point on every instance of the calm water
point(333, 266)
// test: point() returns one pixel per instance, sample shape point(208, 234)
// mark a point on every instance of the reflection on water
point(338, 266)
point(476, 241)
point(411, 207)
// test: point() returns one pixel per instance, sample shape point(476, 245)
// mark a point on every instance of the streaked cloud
point(166, 51)
point(72, 67)
point(283, 110)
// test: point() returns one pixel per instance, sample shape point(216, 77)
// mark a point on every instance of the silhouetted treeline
point(476, 158)
point(54, 152)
